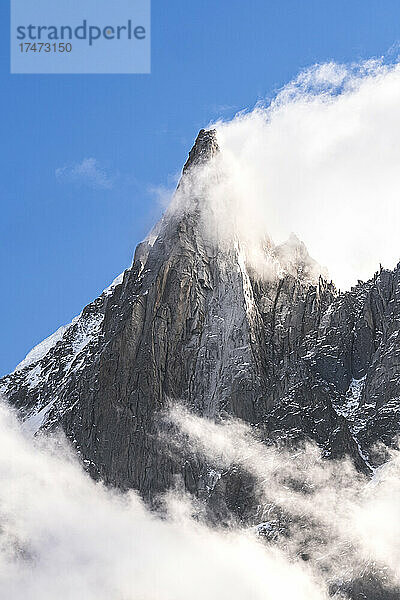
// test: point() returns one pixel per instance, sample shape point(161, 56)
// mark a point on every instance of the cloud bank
point(64, 535)
point(322, 161)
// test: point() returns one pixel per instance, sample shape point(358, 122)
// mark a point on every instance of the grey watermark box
point(80, 36)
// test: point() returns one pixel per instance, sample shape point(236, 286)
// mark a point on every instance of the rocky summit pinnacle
point(204, 148)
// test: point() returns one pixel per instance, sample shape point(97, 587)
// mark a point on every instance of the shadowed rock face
point(188, 322)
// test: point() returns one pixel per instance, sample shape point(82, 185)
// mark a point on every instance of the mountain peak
point(204, 148)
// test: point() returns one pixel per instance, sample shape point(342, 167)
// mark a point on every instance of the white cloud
point(63, 535)
point(322, 161)
point(88, 172)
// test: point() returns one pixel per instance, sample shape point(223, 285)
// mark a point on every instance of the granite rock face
point(191, 322)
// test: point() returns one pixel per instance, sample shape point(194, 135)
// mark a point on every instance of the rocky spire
point(204, 148)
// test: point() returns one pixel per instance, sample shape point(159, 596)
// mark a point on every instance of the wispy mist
point(324, 512)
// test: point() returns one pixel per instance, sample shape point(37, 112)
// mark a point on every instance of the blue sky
point(80, 154)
